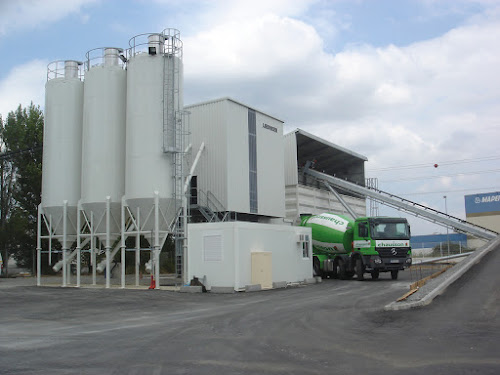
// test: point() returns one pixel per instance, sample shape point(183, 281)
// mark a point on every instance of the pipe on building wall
point(184, 212)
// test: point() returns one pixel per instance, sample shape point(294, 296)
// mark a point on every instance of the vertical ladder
point(174, 136)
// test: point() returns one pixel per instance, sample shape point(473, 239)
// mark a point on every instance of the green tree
point(22, 136)
point(7, 179)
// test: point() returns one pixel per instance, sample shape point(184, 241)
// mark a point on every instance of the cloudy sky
point(408, 84)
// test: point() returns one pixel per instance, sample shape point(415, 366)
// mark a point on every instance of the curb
point(463, 268)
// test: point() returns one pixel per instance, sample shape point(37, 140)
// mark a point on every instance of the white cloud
point(419, 87)
point(261, 47)
point(225, 11)
point(427, 102)
point(23, 85)
point(30, 14)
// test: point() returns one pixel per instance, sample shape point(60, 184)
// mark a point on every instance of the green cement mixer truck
point(343, 248)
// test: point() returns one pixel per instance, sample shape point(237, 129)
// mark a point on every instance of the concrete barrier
point(279, 284)
point(222, 290)
point(253, 288)
point(190, 289)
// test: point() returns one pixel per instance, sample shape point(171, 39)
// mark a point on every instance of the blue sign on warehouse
point(482, 203)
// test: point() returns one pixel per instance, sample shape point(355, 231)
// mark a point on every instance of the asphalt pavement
point(335, 327)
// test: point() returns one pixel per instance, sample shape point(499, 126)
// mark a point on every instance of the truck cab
point(380, 244)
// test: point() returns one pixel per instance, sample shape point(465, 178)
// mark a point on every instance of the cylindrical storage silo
point(62, 149)
point(103, 148)
point(154, 87)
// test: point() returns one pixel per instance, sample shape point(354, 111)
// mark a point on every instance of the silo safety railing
point(109, 56)
point(65, 69)
point(167, 42)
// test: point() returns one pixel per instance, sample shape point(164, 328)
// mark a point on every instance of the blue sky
point(88, 24)
point(405, 83)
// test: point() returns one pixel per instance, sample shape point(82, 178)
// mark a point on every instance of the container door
point(262, 269)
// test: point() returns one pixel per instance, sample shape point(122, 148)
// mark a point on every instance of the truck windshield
point(390, 230)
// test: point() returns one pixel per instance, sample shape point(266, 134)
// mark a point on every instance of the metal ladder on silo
point(173, 141)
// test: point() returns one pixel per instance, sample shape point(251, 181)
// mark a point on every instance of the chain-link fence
point(438, 249)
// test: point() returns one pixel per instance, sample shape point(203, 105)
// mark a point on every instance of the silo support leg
point(123, 267)
point(94, 265)
point(137, 263)
point(65, 266)
point(78, 267)
point(38, 266)
point(108, 240)
point(157, 242)
point(65, 243)
point(93, 259)
point(157, 268)
point(122, 224)
point(39, 248)
point(108, 267)
point(137, 249)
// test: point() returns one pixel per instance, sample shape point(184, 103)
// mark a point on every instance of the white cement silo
point(103, 149)
point(154, 102)
point(62, 150)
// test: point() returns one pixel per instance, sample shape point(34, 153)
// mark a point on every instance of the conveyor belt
point(406, 205)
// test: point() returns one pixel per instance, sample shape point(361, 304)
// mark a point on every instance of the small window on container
point(305, 248)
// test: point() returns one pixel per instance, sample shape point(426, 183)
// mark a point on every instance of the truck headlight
point(377, 260)
point(408, 261)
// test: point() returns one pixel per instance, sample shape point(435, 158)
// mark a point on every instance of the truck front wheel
point(360, 269)
point(375, 274)
point(394, 274)
point(341, 270)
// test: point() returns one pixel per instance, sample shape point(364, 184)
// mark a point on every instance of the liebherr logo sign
point(269, 127)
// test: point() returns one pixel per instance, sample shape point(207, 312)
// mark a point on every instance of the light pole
point(447, 230)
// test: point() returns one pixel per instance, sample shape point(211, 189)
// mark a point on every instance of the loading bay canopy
point(330, 158)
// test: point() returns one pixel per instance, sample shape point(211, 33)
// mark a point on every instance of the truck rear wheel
point(341, 270)
point(394, 275)
point(317, 267)
point(335, 273)
point(360, 269)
